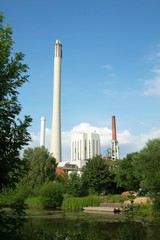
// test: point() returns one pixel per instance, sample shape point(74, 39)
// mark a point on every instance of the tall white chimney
point(42, 133)
point(56, 115)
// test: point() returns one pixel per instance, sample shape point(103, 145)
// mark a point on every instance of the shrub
point(34, 202)
point(9, 198)
point(51, 195)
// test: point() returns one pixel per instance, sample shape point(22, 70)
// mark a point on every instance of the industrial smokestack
point(114, 145)
point(42, 133)
point(114, 134)
point(56, 115)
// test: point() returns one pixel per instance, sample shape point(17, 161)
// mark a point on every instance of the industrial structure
point(114, 150)
point(84, 146)
point(56, 117)
point(42, 131)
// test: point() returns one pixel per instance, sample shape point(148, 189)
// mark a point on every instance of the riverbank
point(128, 216)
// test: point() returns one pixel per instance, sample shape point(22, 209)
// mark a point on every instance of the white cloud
point(153, 85)
point(128, 142)
point(108, 66)
point(154, 57)
point(34, 139)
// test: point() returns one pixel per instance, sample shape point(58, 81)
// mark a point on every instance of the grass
point(90, 201)
point(113, 198)
point(73, 203)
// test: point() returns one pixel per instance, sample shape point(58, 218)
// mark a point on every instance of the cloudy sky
point(110, 66)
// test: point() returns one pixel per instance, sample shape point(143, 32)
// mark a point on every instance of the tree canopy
point(147, 166)
point(41, 166)
point(96, 175)
point(125, 173)
point(74, 186)
point(13, 131)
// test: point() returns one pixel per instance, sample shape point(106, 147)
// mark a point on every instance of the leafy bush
point(34, 202)
point(51, 195)
point(10, 197)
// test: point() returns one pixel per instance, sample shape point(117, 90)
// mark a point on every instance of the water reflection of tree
point(67, 229)
point(64, 230)
point(11, 222)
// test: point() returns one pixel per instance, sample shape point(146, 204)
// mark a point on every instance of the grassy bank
point(92, 201)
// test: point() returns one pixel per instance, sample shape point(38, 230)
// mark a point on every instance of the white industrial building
point(84, 146)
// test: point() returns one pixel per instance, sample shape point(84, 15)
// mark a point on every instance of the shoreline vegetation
point(130, 210)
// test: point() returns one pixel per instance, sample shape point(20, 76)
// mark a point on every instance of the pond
point(49, 225)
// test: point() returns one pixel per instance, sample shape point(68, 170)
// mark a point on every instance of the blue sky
point(110, 66)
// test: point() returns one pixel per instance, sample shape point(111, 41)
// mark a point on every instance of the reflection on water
point(67, 228)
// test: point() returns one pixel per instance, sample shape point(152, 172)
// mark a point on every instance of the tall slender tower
point(114, 144)
point(56, 117)
point(42, 133)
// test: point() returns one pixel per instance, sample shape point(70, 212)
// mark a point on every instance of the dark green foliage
point(41, 169)
point(96, 176)
point(74, 186)
point(125, 173)
point(147, 166)
point(12, 221)
point(156, 205)
point(51, 195)
point(41, 166)
point(13, 131)
point(9, 197)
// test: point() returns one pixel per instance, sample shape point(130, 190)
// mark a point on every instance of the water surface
point(51, 225)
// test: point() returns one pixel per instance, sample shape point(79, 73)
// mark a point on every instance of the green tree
point(147, 166)
point(41, 166)
point(96, 175)
point(125, 173)
point(74, 187)
point(13, 131)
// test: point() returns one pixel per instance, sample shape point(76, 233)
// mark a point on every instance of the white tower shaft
point(56, 117)
point(42, 133)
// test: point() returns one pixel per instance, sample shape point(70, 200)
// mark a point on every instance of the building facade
point(84, 146)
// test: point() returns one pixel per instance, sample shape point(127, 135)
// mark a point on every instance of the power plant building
point(84, 146)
